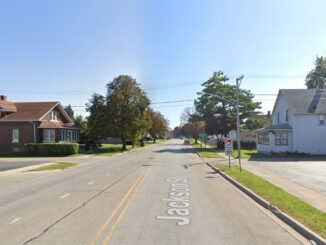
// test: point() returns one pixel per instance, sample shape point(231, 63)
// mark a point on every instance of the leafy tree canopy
point(256, 123)
point(122, 113)
point(69, 111)
point(316, 78)
point(219, 115)
point(159, 124)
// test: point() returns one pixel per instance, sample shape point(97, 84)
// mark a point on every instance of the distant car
point(186, 142)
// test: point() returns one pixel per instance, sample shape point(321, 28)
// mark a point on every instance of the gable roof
point(304, 101)
point(33, 111)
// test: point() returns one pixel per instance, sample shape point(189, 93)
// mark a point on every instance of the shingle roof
point(305, 101)
point(30, 111)
point(7, 106)
point(56, 125)
point(279, 126)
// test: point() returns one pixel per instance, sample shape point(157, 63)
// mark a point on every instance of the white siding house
point(298, 123)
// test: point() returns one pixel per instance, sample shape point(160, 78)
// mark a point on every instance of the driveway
point(310, 174)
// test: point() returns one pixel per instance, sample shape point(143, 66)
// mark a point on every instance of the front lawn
point(249, 154)
point(54, 167)
point(293, 206)
point(207, 153)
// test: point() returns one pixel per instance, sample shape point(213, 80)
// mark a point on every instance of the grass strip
point(289, 204)
point(54, 167)
point(207, 153)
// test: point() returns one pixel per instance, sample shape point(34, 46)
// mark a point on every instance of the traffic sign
point(228, 141)
point(228, 146)
point(203, 136)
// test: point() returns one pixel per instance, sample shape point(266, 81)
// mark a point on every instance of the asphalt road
point(161, 194)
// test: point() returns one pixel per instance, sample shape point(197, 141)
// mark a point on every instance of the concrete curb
point(24, 169)
point(301, 229)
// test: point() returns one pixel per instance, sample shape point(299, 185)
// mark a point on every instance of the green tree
point(219, 115)
point(123, 113)
point(69, 111)
point(80, 122)
point(256, 123)
point(316, 78)
point(159, 124)
point(97, 127)
point(192, 123)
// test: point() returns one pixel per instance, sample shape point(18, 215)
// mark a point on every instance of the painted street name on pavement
point(178, 201)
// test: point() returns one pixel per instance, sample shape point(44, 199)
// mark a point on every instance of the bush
point(52, 148)
point(278, 154)
point(247, 145)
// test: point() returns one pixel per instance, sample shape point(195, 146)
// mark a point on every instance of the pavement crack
point(79, 207)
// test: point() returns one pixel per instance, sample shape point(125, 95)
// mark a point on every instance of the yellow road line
point(108, 237)
point(107, 222)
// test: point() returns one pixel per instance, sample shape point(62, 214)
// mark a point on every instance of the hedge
point(52, 148)
point(248, 145)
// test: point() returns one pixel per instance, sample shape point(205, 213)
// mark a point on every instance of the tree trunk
point(124, 145)
point(154, 139)
point(196, 141)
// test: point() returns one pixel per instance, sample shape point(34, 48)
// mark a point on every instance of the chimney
point(3, 97)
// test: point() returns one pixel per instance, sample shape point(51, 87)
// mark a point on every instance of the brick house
point(28, 122)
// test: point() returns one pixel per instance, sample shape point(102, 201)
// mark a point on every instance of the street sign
point(228, 145)
point(202, 136)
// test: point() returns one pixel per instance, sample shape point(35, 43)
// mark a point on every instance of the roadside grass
point(54, 167)
point(250, 154)
point(289, 204)
point(207, 153)
point(254, 154)
point(13, 155)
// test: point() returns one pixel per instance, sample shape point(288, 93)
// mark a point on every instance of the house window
point(69, 136)
point(48, 135)
point(278, 117)
point(286, 115)
point(263, 139)
point(54, 115)
point(281, 139)
point(15, 135)
point(321, 119)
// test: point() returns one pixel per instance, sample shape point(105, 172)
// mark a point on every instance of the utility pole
point(239, 79)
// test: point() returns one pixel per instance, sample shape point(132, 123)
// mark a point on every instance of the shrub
point(52, 148)
point(248, 145)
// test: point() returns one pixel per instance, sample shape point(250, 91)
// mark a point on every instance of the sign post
point(228, 146)
point(203, 136)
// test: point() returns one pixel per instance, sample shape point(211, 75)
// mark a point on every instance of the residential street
point(161, 194)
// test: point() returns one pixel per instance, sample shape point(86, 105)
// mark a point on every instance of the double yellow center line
point(133, 189)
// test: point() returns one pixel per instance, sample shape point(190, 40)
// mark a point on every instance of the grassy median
point(207, 153)
point(289, 204)
point(54, 167)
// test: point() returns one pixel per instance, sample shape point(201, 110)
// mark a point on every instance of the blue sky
point(66, 50)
